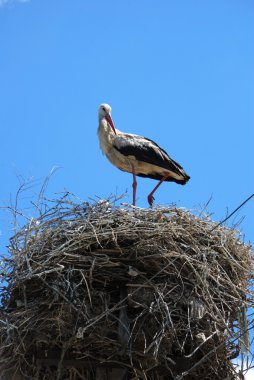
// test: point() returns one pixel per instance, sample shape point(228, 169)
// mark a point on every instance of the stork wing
point(146, 150)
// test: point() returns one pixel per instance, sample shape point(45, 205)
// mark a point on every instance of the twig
point(232, 213)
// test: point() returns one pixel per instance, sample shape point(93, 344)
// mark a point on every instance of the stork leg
point(150, 196)
point(134, 185)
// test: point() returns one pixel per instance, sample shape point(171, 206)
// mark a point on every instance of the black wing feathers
point(147, 150)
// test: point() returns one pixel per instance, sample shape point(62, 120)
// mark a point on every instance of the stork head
point(105, 113)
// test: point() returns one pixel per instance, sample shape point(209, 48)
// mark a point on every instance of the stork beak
point(110, 121)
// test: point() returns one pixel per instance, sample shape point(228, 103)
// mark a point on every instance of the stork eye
point(104, 109)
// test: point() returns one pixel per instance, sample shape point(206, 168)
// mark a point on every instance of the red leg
point(134, 185)
point(150, 196)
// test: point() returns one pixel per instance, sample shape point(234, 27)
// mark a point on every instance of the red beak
point(110, 121)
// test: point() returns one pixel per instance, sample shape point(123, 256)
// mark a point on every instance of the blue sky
point(178, 72)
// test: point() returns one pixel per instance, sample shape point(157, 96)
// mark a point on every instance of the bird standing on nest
point(137, 155)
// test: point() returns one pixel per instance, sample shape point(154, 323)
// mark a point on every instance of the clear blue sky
point(179, 72)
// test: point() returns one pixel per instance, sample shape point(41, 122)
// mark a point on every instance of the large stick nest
point(149, 294)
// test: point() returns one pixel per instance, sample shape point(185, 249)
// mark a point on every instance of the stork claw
point(150, 199)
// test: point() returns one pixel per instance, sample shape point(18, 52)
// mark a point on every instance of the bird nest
point(97, 291)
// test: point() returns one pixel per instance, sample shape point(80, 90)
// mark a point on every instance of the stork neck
point(106, 127)
point(106, 136)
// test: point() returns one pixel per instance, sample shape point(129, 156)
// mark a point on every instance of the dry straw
point(101, 292)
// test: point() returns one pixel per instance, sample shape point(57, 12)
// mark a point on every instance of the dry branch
point(151, 294)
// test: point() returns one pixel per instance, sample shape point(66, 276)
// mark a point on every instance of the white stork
point(137, 155)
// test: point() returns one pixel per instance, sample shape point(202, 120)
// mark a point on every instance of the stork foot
point(150, 199)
